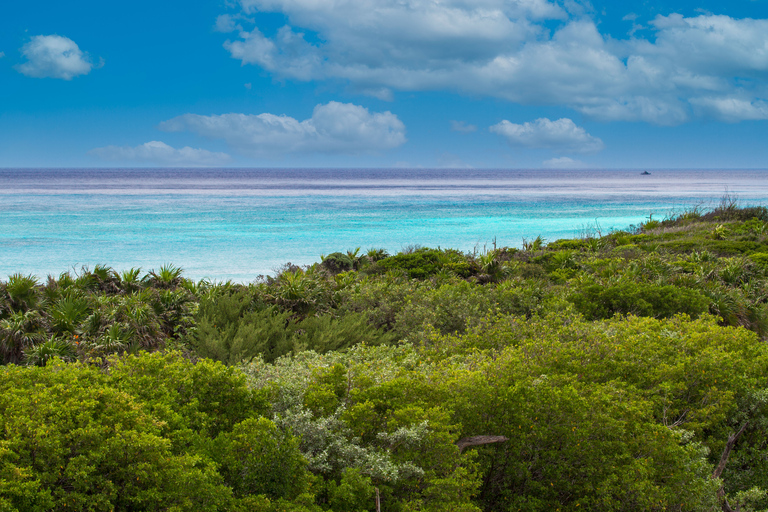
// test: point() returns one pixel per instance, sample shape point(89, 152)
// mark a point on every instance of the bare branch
point(723, 461)
point(478, 440)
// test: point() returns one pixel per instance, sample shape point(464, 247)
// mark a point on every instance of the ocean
point(237, 224)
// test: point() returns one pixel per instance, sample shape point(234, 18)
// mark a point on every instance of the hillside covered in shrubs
point(621, 371)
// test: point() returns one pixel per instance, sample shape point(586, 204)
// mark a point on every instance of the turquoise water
point(238, 224)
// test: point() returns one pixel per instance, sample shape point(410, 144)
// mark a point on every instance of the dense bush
point(597, 301)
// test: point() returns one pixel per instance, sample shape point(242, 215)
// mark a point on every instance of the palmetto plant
point(41, 353)
point(375, 255)
point(20, 331)
point(106, 279)
point(22, 292)
point(168, 276)
point(142, 321)
point(492, 269)
point(67, 314)
point(533, 245)
point(728, 305)
point(735, 271)
point(130, 280)
point(115, 339)
point(564, 259)
point(299, 290)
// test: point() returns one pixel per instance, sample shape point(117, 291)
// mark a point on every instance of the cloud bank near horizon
point(334, 128)
point(160, 153)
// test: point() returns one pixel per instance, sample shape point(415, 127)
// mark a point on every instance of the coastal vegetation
point(619, 371)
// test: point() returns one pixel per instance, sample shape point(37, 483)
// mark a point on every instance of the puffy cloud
point(54, 57)
point(461, 126)
point(710, 43)
point(732, 110)
point(562, 135)
point(506, 49)
point(156, 152)
point(333, 128)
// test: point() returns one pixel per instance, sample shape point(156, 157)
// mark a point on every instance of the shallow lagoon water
point(239, 223)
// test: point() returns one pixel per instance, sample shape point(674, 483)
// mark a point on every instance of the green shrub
point(326, 333)
point(423, 263)
point(761, 258)
point(270, 334)
point(338, 262)
point(267, 333)
point(641, 299)
point(256, 458)
point(80, 444)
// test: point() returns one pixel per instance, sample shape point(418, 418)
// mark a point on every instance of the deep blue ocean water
point(239, 223)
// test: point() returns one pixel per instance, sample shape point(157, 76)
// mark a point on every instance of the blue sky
point(384, 83)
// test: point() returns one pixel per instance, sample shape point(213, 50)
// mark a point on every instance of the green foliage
point(267, 333)
point(270, 334)
point(598, 302)
point(423, 263)
point(354, 493)
point(255, 458)
point(80, 444)
point(760, 258)
point(54, 348)
point(194, 400)
point(338, 262)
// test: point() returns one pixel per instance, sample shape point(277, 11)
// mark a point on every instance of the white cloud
point(226, 23)
point(562, 135)
point(505, 49)
point(156, 152)
point(563, 162)
point(731, 110)
point(461, 126)
point(54, 57)
point(2, 54)
point(333, 128)
point(229, 23)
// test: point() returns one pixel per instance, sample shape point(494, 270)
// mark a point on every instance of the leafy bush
point(423, 263)
point(270, 334)
point(597, 302)
point(79, 444)
point(338, 262)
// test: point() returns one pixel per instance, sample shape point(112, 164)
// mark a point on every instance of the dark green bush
point(270, 334)
point(423, 263)
point(267, 333)
point(641, 299)
point(338, 262)
point(575, 244)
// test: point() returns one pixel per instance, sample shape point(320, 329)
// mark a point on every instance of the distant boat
point(645, 173)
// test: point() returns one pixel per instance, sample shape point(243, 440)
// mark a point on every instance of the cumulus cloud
point(333, 128)
point(54, 57)
point(461, 126)
point(506, 49)
point(732, 110)
point(562, 135)
point(160, 153)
